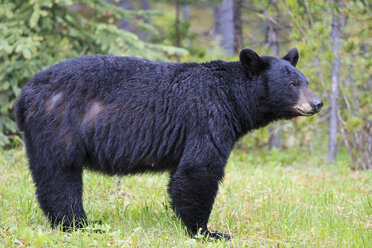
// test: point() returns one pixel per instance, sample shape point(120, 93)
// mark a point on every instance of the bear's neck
point(248, 97)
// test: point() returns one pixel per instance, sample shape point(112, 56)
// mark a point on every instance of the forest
point(305, 182)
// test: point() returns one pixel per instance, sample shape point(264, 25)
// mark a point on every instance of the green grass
point(270, 199)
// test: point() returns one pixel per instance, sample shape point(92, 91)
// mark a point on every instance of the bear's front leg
point(193, 188)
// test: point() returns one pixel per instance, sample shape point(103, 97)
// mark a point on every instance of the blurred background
point(334, 39)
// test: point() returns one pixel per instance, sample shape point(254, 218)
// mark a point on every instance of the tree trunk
point(336, 46)
point(124, 23)
point(177, 27)
point(186, 12)
point(224, 25)
point(272, 38)
point(145, 4)
point(143, 34)
point(272, 41)
point(238, 33)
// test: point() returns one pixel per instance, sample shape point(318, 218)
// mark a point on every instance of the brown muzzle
point(308, 104)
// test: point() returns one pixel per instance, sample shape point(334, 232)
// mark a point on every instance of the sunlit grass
point(266, 200)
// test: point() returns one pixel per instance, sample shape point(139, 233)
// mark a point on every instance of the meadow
point(268, 199)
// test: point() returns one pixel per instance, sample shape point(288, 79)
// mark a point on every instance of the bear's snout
point(308, 104)
point(317, 104)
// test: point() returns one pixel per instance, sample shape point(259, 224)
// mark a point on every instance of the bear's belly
point(125, 167)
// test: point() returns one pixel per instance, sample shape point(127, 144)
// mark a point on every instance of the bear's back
point(142, 109)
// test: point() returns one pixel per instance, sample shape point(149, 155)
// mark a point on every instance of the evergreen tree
point(36, 34)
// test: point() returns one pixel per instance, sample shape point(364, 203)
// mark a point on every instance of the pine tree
point(38, 34)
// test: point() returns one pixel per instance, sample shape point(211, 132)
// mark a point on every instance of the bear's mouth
point(303, 113)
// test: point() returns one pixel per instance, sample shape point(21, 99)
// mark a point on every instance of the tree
point(272, 41)
point(123, 22)
point(355, 112)
point(348, 26)
point(228, 25)
point(238, 31)
point(337, 22)
point(224, 25)
point(38, 34)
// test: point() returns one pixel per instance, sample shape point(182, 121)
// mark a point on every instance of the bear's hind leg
point(59, 192)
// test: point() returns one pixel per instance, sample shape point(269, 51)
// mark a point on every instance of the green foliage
point(167, 35)
point(36, 34)
point(310, 29)
point(356, 85)
point(39, 33)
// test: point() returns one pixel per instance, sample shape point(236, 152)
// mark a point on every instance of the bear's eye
point(293, 84)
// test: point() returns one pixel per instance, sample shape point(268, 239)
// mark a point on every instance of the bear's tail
point(19, 111)
point(27, 96)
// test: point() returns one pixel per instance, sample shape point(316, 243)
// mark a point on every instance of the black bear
point(125, 115)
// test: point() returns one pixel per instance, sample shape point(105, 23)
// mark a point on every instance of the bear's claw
point(215, 236)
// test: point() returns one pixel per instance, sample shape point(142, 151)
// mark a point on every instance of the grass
point(268, 199)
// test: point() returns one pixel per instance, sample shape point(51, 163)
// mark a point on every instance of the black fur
point(125, 115)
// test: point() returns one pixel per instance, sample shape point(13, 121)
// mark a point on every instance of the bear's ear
point(292, 56)
point(251, 61)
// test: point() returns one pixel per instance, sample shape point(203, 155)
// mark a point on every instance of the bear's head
point(285, 89)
